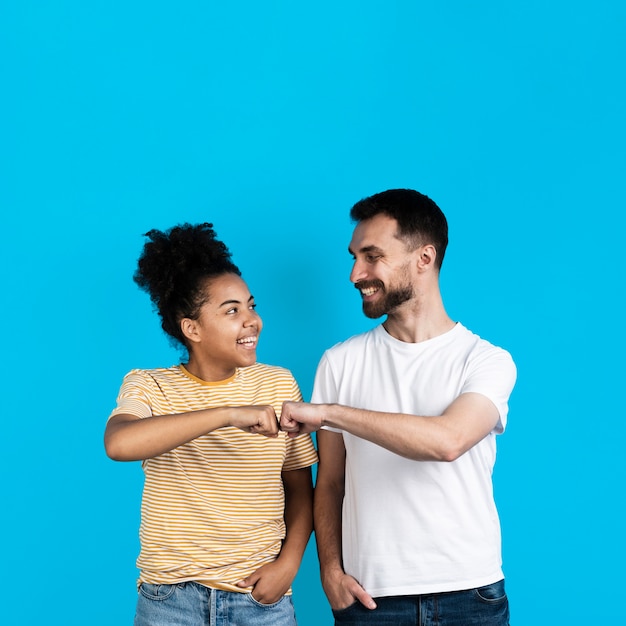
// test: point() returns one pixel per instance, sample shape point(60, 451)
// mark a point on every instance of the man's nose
point(358, 271)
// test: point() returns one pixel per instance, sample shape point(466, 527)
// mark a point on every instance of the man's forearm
point(469, 419)
point(327, 517)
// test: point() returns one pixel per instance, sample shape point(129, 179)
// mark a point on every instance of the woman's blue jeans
point(485, 606)
point(191, 604)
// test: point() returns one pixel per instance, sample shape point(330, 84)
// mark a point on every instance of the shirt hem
point(423, 589)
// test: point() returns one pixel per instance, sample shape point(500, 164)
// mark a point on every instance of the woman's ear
point(189, 329)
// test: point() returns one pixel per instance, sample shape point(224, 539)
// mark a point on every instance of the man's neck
point(417, 322)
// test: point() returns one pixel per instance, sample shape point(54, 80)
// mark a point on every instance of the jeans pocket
point(346, 610)
point(491, 594)
point(264, 606)
point(156, 592)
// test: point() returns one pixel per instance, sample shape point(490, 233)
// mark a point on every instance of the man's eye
point(372, 257)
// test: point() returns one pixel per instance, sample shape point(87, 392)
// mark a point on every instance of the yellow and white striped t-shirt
point(213, 508)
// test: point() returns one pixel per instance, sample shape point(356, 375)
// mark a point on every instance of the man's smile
point(369, 288)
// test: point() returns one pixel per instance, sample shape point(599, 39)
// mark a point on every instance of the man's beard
point(390, 301)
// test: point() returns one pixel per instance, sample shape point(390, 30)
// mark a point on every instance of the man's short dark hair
point(420, 220)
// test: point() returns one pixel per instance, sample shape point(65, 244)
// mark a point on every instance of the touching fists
point(298, 418)
point(261, 420)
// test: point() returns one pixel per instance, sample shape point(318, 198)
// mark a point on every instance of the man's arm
point(270, 582)
point(468, 420)
point(341, 589)
point(131, 438)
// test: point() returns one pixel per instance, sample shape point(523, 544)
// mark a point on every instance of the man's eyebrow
point(366, 249)
point(227, 302)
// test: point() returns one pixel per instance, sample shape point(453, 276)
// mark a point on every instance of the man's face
point(384, 268)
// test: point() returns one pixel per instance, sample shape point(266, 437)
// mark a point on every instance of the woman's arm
point(131, 438)
point(270, 582)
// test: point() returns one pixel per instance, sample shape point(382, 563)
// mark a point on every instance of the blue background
point(270, 120)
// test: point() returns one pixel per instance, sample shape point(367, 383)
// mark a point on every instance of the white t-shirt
point(415, 527)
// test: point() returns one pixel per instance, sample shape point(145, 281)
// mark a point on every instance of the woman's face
point(226, 333)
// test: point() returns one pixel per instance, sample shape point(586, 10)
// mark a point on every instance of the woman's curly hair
point(174, 267)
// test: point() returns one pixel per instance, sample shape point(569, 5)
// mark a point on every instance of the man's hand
point(343, 590)
point(261, 420)
point(270, 582)
point(298, 418)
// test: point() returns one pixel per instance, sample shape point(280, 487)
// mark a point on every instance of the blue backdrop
point(270, 120)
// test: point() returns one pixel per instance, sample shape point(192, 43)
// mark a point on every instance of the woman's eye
point(231, 311)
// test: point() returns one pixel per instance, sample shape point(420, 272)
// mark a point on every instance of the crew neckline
point(412, 345)
point(207, 383)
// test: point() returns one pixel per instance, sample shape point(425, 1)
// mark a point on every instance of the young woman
point(227, 503)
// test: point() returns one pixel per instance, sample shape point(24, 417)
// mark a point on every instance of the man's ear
point(426, 257)
point(189, 329)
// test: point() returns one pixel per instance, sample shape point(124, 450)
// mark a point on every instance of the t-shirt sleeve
point(301, 452)
point(134, 395)
point(325, 387)
point(492, 373)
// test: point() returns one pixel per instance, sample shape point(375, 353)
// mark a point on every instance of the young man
point(406, 525)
